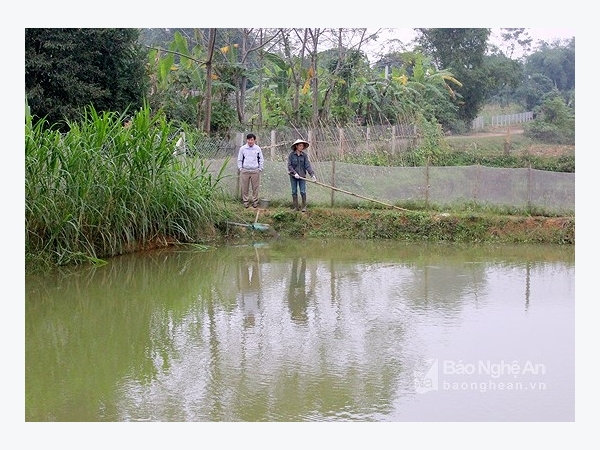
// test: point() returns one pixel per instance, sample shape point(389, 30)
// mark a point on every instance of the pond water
point(306, 331)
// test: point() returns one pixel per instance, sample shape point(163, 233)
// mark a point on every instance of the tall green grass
point(102, 189)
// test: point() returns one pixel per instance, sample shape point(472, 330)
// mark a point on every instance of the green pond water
point(306, 331)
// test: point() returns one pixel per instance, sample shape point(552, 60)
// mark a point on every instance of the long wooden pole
point(355, 195)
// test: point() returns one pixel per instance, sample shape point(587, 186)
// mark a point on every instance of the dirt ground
point(551, 150)
point(534, 149)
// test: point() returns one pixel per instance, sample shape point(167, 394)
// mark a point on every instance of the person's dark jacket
point(299, 164)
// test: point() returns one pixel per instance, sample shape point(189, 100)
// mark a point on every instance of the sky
point(536, 33)
point(405, 35)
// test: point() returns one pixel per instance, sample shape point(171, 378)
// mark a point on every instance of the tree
point(461, 51)
point(504, 76)
point(209, 59)
point(533, 90)
point(68, 69)
point(253, 40)
point(234, 57)
point(554, 122)
point(178, 78)
point(346, 67)
point(556, 61)
point(515, 39)
point(415, 88)
point(313, 51)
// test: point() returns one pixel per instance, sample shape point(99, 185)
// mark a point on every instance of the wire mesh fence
point(523, 189)
point(334, 143)
point(520, 188)
point(331, 142)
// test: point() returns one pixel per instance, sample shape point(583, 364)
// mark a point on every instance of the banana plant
point(178, 81)
point(420, 88)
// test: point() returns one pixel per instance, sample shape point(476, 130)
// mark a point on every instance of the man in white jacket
point(250, 163)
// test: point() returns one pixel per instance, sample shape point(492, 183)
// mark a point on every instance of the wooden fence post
point(529, 183)
point(427, 183)
point(240, 138)
point(332, 180)
point(273, 144)
point(477, 182)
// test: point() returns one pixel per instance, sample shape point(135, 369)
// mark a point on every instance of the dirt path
point(489, 134)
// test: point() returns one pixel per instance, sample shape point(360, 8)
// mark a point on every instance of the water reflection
point(297, 297)
point(275, 332)
point(249, 287)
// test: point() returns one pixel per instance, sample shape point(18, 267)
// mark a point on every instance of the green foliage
point(381, 156)
point(180, 84)
point(553, 164)
point(550, 67)
point(67, 70)
point(222, 116)
point(278, 109)
point(533, 90)
point(162, 37)
point(102, 189)
point(554, 122)
point(555, 61)
point(550, 133)
point(178, 80)
point(431, 145)
point(412, 88)
point(503, 76)
point(345, 71)
point(564, 163)
point(446, 78)
point(460, 50)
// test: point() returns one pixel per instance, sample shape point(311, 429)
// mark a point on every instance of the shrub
point(554, 122)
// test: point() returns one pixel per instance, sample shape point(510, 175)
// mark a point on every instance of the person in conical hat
point(300, 141)
point(298, 168)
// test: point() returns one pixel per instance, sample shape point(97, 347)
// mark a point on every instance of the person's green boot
point(295, 202)
point(303, 202)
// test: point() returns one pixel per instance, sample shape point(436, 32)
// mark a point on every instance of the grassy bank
point(430, 226)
